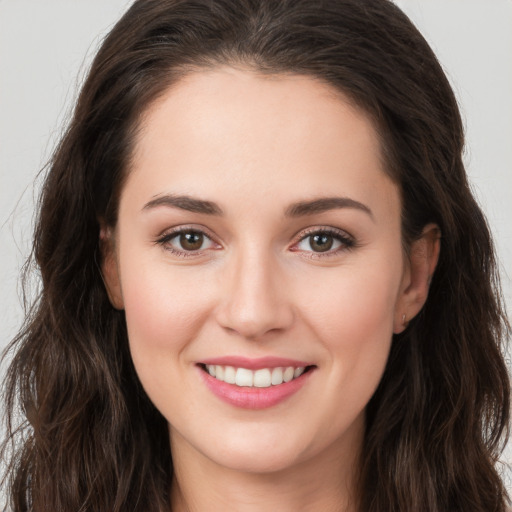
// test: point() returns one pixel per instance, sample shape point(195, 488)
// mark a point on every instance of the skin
point(254, 145)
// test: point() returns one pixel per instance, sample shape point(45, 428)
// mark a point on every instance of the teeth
point(298, 372)
point(288, 374)
point(229, 375)
point(263, 378)
point(244, 377)
point(277, 376)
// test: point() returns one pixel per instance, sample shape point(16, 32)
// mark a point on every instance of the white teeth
point(244, 377)
point(277, 376)
point(298, 372)
point(263, 378)
point(288, 374)
point(229, 375)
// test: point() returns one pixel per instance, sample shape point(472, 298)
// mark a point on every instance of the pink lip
point(252, 397)
point(256, 363)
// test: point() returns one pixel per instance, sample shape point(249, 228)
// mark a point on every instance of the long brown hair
point(90, 439)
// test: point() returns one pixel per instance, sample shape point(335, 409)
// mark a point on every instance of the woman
point(266, 284)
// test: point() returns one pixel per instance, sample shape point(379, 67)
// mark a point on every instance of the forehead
point(242, 133)
point(208, 100)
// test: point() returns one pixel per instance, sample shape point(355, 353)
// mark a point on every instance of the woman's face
point(258, 232)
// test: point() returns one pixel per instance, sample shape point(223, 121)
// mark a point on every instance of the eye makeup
point(188, 241)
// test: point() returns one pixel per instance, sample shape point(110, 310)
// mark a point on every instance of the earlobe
point(109, 267)
point(423, 258)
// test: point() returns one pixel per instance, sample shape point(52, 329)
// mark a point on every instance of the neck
point(326, 482)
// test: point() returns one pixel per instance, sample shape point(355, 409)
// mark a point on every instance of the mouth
point(255, 383)
point(260, 378)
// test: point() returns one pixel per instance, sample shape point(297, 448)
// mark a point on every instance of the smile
point(266, 383)
point(262, 378)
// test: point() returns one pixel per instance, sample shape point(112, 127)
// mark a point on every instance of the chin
point(246, 450)
point(256, 461)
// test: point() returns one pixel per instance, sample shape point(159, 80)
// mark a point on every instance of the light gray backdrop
point(46, 46)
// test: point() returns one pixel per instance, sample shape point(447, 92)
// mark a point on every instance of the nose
point(254, 297)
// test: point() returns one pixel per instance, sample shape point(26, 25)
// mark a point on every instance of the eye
point(186, 241)
point(325, 242)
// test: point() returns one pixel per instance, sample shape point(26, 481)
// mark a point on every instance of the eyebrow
point(324, 204)
point(298, 209)
point(184, 202)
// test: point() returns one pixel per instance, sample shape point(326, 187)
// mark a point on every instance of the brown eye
point(187, 242)
point(191, 240)
point(321, 242)
point(325, 241)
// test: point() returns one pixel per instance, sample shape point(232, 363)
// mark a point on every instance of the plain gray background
point(46, 46)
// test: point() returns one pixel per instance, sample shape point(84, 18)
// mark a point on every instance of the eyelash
point(167, 237)
point(346, 241)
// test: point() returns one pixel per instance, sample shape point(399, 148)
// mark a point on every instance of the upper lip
point(254, 363)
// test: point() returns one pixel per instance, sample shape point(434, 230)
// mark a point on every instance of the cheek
point(162, 307)
point(352, 315)
point(350, 304)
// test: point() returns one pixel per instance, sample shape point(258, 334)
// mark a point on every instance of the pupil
point(191, 241)
point(321, 243)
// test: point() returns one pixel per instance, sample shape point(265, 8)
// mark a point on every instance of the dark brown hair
point(92, 440)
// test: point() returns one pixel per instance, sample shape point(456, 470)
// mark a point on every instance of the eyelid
point(347, 241)
point(180, 228)
point(167, 235)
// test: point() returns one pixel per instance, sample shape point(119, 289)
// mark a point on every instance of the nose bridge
point(255, 301)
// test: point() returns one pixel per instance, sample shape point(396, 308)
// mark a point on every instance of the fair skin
point(252, 281)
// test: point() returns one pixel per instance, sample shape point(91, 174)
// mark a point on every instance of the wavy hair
point(90, 439)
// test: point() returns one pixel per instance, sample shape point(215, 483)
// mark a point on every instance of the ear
point(423, 257)
point(109, 267)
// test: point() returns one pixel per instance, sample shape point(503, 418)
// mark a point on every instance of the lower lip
point(252, 397)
